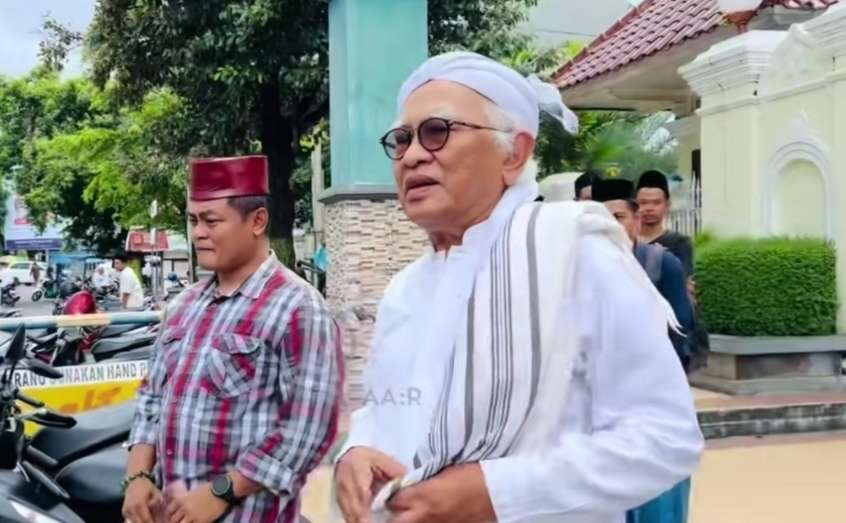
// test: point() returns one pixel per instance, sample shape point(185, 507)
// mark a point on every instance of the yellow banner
point(84, 387)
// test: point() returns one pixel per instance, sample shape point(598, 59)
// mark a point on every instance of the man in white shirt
point(101, 277)
point(131, 293)
point(521, 370)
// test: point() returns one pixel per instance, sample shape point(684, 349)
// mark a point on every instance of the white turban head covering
point(521, 97)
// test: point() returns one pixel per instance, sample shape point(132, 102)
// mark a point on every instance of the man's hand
point(141, 499)
point(196, 506)
point(691, 289)
point(359, 476)
point(458, 495)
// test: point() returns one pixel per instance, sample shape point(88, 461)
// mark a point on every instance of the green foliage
point(58, 44)
point(768, 287)
point(33, 110)
point(82, 159)
point(623, 143)
point(36, 106)
point(483, 27)
point(703, 238)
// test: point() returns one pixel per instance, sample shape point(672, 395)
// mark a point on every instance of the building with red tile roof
point(633, 65)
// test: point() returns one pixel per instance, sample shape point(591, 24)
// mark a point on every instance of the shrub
point(703, 238)
point(767, 287)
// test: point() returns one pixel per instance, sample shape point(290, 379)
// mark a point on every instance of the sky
point(20, 25)
point(20, 31)
point(555, 21)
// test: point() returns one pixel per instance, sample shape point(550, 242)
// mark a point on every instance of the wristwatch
point(223, 488)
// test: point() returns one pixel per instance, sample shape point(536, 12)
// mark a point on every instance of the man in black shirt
point(653, 199)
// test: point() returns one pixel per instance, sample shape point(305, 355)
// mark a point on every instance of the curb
point(770, 420)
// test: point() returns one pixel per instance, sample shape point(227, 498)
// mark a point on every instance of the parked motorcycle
point(10, 313)
point(313, 274)
point(79, 345)
point(48, 289)
point(8, 295)
point(67, 473)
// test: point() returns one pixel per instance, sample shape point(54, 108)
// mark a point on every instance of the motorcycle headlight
point(30, 514)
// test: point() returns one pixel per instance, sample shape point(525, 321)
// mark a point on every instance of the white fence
point(686, 221)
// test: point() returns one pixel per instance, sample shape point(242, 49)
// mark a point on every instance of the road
point(776, 479)
point(44, 307)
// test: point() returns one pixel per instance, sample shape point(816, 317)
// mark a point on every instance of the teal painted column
point(373, 46)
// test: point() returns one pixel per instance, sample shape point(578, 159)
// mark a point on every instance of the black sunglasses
point(433, 134)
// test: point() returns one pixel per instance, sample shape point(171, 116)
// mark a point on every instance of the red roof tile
point(655, 26)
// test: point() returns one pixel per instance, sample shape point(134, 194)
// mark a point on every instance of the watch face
point(220, 485)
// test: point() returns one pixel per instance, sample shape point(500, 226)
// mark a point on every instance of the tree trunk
point(277, 142)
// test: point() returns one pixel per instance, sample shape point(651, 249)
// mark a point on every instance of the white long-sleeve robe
point(628, 429)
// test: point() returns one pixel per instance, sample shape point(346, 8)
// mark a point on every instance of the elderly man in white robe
point(521, 369)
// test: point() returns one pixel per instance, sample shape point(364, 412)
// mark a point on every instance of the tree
point(252, 77)
point(36, 108)
point(627, 143)
point(59, 41)
point(79, 158)
point(102, 176)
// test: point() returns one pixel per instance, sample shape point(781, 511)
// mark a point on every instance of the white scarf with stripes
point(494, 339)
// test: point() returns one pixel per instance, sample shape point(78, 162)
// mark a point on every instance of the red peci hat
point(217, 178)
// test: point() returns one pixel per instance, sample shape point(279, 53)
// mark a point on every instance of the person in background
point(583, 184)
point(663, 268)
point(665, 271)
point(101, 278)
point(130, 290)
point(654, 202)
point(35, 272)
point(147, 274)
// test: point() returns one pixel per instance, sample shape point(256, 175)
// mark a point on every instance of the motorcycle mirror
point(42, 369)
point(54, 419)
point(17, 349)
point(32, 402)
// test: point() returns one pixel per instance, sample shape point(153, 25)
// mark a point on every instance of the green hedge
point(767, 287)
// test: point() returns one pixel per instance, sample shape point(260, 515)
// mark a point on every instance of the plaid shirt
point(251, 382)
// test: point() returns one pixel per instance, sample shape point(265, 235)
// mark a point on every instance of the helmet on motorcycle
point(173, 277)
point(80, 303)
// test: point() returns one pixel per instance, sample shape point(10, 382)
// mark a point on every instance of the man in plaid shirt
point(243, 393)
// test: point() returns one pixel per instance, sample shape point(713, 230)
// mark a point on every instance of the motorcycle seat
point(94, 430)
point(109, 347)
point(112, 331)
point(142, 353)
point(44, 341)
point(96, 479)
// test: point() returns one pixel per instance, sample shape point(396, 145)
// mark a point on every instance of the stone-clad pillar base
point(369, 241)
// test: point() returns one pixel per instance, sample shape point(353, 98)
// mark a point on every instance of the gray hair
point(499, 118)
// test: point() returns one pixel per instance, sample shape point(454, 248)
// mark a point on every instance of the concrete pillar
point(373, 46)
point(727, 77)
point(828, 32)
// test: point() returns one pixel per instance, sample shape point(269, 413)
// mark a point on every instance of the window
point(24, 266)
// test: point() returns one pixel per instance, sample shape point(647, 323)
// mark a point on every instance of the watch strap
point(227, 494)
